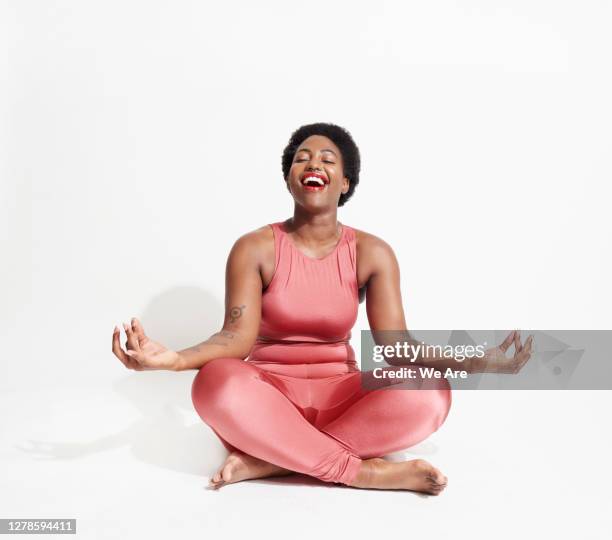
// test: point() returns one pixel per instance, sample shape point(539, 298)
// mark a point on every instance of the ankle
point(368, 472)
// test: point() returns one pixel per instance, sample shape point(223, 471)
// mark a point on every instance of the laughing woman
point(279, 384)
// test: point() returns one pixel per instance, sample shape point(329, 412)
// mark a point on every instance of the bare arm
point(388, 325)
point(243, 286)
point(384, 305)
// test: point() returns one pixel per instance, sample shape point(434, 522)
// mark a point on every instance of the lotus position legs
point(331, 428)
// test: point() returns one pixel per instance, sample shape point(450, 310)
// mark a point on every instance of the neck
point(315, 229)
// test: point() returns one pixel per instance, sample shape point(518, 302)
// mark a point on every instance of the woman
point(298, 402)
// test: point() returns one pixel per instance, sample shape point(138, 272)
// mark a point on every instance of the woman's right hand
point(142, 352)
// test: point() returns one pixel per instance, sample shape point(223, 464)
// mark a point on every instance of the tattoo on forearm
point(236, 312)
point(216, 339)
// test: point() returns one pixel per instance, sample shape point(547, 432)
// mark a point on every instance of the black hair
point(341, 138)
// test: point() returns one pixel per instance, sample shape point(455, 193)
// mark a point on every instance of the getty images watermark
point(487, 359)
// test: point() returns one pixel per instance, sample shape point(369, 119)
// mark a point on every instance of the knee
point(444, 401)
point(433, 405)
point(438, 398)
point(216, 379)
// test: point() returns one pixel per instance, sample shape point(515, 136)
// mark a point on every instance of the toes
point(428, 470)
point(436, 489)
point(217, 479)
point(436, 486)
point(437, 483)
point(437, 477)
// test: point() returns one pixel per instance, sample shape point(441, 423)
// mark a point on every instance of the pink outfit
point(297, 401)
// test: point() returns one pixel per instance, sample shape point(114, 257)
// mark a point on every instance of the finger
point(121, 354)
point(507, 342)
point(525, 353)
point(523, 356)
point(517, 342)
point(116, 348)
point(131, 338)
point(118, 351)
point(137, 328)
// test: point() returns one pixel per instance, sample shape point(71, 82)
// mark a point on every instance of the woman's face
point(317, 156)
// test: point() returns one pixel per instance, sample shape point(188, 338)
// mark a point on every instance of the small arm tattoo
point(220, 338)
point(216, 339)
point(236, 312)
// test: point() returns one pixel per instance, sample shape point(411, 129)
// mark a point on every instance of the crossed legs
point(267, 434)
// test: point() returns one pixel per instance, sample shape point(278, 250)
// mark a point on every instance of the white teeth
point(316, 179)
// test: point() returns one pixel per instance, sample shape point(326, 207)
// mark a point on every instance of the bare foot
point(413, 475)
point(240, 466)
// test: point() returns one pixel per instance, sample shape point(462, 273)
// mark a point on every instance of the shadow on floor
point(169, 434)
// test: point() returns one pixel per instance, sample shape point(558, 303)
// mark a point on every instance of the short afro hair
point(341, 138)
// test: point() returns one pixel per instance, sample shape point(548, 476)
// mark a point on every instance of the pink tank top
point(310, 306)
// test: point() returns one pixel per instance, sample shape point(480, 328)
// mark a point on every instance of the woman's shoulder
point(255, 243)
point(370, 242)
point(257, 238)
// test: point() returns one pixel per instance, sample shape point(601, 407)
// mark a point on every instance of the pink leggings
point(322, 426)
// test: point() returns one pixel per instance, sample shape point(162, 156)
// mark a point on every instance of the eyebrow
point(324, 150)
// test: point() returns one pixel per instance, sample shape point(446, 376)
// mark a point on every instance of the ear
point(345, 185)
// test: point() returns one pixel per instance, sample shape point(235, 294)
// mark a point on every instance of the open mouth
point(314, 183)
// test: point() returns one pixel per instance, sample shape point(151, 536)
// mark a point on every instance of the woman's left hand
point(496, 361)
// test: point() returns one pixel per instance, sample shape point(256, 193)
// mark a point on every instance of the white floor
point(132, 460)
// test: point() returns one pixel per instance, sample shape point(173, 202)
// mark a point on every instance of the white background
point(139, 140)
